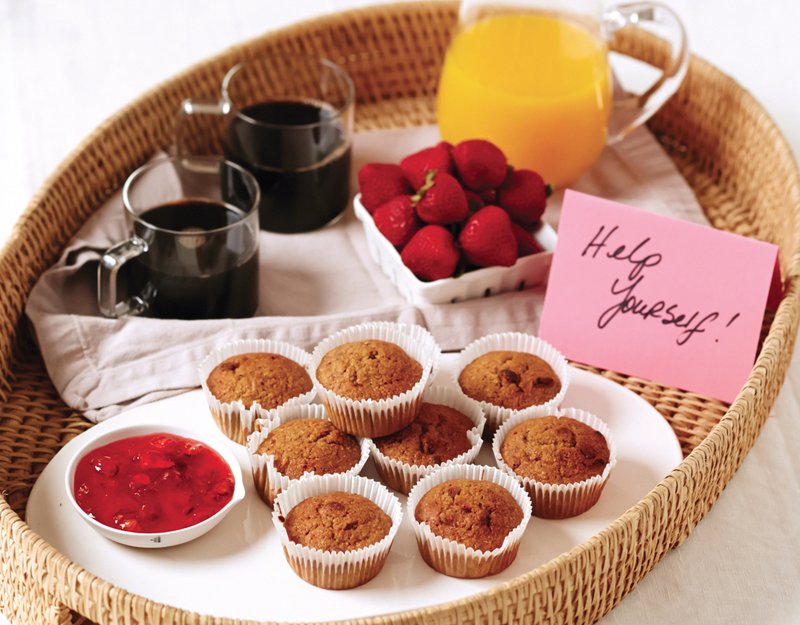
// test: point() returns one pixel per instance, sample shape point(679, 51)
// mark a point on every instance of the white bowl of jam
point(153, 485)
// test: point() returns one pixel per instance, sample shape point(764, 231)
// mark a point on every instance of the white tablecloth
point(66, 66)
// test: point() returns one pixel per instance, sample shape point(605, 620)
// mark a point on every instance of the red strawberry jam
point(154, 483)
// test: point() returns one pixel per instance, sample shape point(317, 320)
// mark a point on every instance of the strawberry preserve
point(154, 483)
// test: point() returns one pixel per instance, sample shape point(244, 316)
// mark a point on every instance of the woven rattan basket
point(723, 142)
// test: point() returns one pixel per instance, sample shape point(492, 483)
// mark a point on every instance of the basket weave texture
point(725, 145)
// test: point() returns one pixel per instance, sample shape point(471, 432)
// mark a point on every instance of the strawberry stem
point(430, 177)
point(548, 190)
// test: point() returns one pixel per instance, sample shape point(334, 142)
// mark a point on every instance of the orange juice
point(537, 85)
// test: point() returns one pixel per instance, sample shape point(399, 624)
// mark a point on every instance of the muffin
point(371, 376)
point(514, 380)
point(438, 433)
point(337, 521)
point(468, 520)
point(266, 378)
point(244, 380)
point(336, 530)
point(562, 458)
point(475, 513)
point(300, 440)
point(368, 369)
point(555, 450)
point(447, 430)
point(511, 373)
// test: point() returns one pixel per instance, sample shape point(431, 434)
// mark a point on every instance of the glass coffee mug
point(289, 121)
point(533, 77)
point(193, 252)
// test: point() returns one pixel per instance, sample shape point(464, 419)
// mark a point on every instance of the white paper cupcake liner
point(453, 558)
point(559, 501)
point(337, 570)
point(515, 342)
point(373, 418)
point(402, 476)
point(234, 419)
point(267, 480)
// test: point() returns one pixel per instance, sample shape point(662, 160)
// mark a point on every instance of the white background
point(66, 66)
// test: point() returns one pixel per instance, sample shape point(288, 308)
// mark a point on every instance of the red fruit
point(416, 166)
point(441, 200)
point(524, 196)
point(481, 165)
point(474, 200)
point(489, 197)
point(431, 254)
point(526, 244)
point(397, 220)
point(379, 183)
point(487, 239)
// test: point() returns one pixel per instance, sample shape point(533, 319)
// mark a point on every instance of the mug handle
point(107, 275)
point(190, 107)
point(631, 111)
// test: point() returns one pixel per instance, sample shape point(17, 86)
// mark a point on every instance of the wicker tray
point(723, 142)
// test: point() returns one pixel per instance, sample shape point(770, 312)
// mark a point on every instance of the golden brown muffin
point(337, 521)
point(475, 513)
point(555, 450)
point(302, 445)
point(369, 369)
point(509, 379)
point(437, 434)
point(269, 379)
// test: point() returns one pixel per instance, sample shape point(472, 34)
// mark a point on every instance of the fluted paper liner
point(559, 501)
point(515, 342)
point(373, 418)
point(267, 479)
point(337, 570)
point(234, 419)
point(456, 559)
point(402, 476)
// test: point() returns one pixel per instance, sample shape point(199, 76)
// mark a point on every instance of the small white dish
point(527, 272)
point(153, 540)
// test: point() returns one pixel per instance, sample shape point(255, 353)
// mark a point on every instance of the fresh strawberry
point(474, 200)
point(431, 254)
point(489, 197)
point(526, 244)
point(487, 238)
point(379, 183)
point(417, 165)
point(397, 220)
point(524, 196)
point(481, 165)
point(441, 200)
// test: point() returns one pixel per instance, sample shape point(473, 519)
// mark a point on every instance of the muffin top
point(555, 450)
point(509, 379)
point(337, 521)
point(369, 369)
point(314, 445)
point(437, 434)
point(475, 513)
point(269, 379)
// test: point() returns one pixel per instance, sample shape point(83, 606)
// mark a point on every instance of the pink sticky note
point(656, 298)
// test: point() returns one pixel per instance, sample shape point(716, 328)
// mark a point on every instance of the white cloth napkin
point(312, 284)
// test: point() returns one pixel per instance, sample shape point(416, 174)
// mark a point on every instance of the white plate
point(238, 570)
point(526, 273)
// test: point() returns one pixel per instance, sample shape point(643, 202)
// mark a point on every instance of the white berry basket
point(527, 272)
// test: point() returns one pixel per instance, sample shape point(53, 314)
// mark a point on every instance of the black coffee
point(302, 165)
point(200, 273)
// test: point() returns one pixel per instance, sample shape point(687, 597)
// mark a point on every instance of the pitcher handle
point(635, 110)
